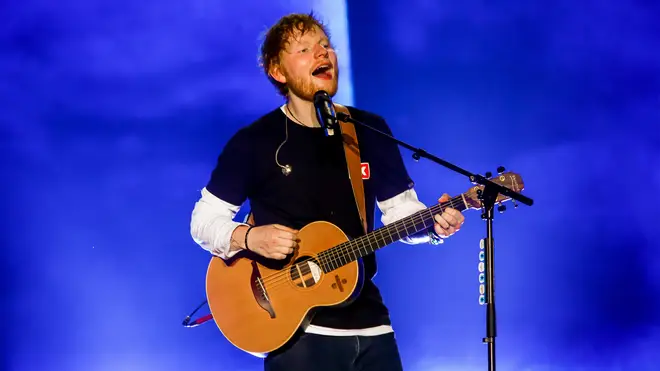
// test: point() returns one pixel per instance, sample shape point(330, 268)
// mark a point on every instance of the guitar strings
point(340, 256)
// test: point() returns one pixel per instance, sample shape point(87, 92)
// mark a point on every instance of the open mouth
point(323, 71)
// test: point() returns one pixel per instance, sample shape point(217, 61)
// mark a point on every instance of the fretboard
point(352, 250)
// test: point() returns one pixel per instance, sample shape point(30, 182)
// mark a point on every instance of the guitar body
point(258, 304)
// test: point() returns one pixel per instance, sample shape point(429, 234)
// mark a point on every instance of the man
point(294, 175)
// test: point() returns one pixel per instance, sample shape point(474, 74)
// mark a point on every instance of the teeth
point(320, 68)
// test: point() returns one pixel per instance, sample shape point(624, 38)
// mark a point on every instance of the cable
point(199, 321)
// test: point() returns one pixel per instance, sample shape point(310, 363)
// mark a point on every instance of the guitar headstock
point(509, 180)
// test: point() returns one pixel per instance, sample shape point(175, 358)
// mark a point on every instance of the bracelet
point(435, 239)
point(246, 235)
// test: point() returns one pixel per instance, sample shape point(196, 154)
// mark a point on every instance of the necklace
point(295, 119)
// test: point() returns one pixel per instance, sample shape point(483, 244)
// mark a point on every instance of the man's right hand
point(272, 241)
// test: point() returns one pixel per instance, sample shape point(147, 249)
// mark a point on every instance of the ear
point(275, 71)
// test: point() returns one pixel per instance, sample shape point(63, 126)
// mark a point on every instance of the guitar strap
point(352, 152)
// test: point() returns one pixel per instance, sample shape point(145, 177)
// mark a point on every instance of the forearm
point(212, 226)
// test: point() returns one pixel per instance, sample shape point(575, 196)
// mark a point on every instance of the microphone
point(325, 112)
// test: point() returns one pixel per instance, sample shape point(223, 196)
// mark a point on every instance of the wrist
point(238, 237)
point(246, 246)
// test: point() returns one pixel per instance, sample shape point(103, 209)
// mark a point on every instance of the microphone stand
point(488, 197)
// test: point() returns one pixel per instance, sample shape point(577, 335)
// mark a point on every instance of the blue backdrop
point(113, 112)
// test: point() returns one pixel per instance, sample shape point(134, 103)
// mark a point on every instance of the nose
point(320, 51)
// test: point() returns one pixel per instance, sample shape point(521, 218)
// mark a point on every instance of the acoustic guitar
point(258, 303)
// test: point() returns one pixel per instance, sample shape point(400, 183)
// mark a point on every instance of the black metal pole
point(419, 153)
point(491, 323)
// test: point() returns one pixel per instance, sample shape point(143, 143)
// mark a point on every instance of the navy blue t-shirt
point(317, 189)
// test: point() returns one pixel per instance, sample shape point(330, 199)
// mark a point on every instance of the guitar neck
point(352, 250)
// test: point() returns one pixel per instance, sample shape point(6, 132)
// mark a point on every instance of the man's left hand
point(449, 222)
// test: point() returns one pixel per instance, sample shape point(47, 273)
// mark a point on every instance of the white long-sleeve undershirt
point(212, 222)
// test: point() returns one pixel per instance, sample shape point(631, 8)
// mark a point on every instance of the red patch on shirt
point(366, 171)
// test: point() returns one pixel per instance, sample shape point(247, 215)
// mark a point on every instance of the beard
point(306, 87)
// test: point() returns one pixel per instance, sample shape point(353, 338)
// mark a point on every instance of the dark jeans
point(313, 352)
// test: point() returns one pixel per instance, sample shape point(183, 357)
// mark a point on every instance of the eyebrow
point(322, 40)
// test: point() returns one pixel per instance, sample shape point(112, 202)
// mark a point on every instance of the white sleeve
point(400, 206)
point(212, 224)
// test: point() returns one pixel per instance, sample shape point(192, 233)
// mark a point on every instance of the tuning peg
point(515, 204)
point(501, 208)
point(500, 169)
point(488, 174)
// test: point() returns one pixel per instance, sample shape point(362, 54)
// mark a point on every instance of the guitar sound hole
point(305, 272)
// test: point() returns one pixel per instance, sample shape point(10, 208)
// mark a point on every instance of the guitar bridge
point(259, 291)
